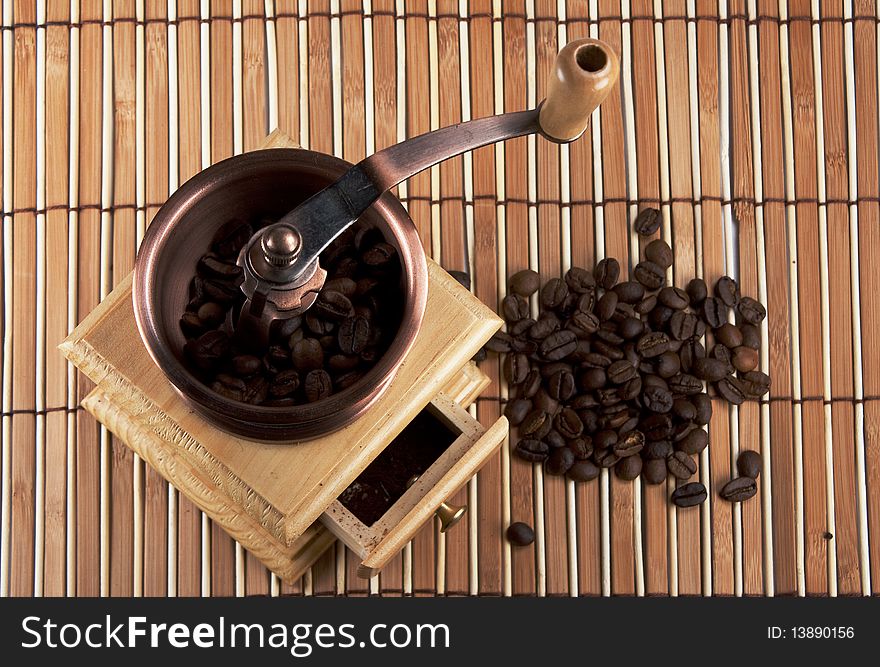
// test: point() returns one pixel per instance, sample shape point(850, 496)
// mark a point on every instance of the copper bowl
point(265, 183)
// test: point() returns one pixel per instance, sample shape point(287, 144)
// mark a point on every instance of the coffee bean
point(659, 317)
point(605, 458)
point(728, 335)
point(723, 355)
point(333, 306)
point(220, 291)
point(230, 387)
point(680, 465)
point(231, 238)
point(632, 443)
point(751, 336)
point(744, 359)
point(379, 255)
point(544, 327)
point(583, 471)
point(561, 385)
point(683, 409)
point(525, 282)
point(524, 346)
point(754, 384)
point(710, 370)
point(521, 327)
point(583, 324)
point(534, 451)
point(559, 461)
point(654, 471)
point(647, 222)
point(256, 390)
point(703, 404)
point(531, 384)
point(714, 312)
point(689, 495)
point(730, 390)
point(657, 449)
point(191, 325)
point(208, 350)
point(682, 325)
point(727, 290)
point(656, 426)
point(581, 447)
point(554, 293)
point(211, 314)
point(697, 291)
point(514, 307)
point(652, 344)
point(284, 384)
point(544, 401)
point(558, 345)
point(668, 364)
point(657, 399)
point(516, 410)
point(685, 384)
point(606, 272)
point(246, 364)
point(462, 278)
point(534, 421)
point(651, 275)
point(621, 371)
point(579, 281)
point(307, 355)
point(554, 439)
point(628, 468)
point(689, 353)
point(353, 335)
point(749, 463)
point(606, 305)
point(317, 385)
point(694, 442)
point(629, 291)
point(520, 534)
point(631, 328)
point(646, 305)
point(751, 311)
point(738, 489)
point(569, 424)
point(659, 252)
point(499, 342)
point(516, 368)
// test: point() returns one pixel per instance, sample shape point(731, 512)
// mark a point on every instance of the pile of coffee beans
point(611, 373)
point(309, 357)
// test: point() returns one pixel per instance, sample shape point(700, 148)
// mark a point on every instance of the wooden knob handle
point(584, 73)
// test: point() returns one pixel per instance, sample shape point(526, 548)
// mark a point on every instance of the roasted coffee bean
point(646, 305)
point(583, 471)
point(682, 325)
point(544, 401)
point(730, 390)
point(581, 447)
point(307, 355)
point(534, 422)
point(629, 291)
point(213, 267)
point(256, 391)
point(611, 351)
point(657, 399)
point(549, 370)
point(554, 439)
point(673, 297)
point(559, 461)
point(728, 335)
point(632, 443)
point(579, 281)
point(284, 329)
point(714, 312)
point(703, 404)
point(353, 335)
point(547, 324)
point(516, 368)
point(499, 342)
point(554, 293)
point(684, 410)
point(605, 458)
point(727, 290)
point(229, 387)
point(588, 416)
point(284, 384)
point(317, 385)
point(647, 222)
point(680, 465)
point(751, 336)
point(685, 384)
point(604, 439)
point(754, 384)
point(558, 345)
point(744, 359)
point(318, 325)
point(520, 534)
point(246, 364)
point(561, 385)
point(659, 252)
point(606, 305)
point(710, 370)
point(650, 274)
point(524, 346)
point(525, 282)
point(738, 489)
point(723, 355)
point(694, 442)
point(650, 380)
point(231, 238)
point(656, 426)
point(631, 328)
point(211, 314)
point(221, 292)
point(751, 311)
point(333, 306)
point(690, 351)
point(660, 316)
point(514, 307)
point(521, 327)
point(668, 364)
point(654, 471)
point(630, 389)
point(583, 324)
point(191, 325)
point(346, 267)
point(569, 424)
point(516, 410)
point(621, 371)
point(592, 378)
point(697, 291)
point(689, 495)
point(652, 344)
point(657, 449)
point(606, 272)
point(531, 384)
point(628, 468)
point(208, 350)
point(380, 255)
point(531, 450)
point(749, 463)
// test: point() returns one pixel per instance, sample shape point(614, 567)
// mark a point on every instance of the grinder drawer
point(445, 446)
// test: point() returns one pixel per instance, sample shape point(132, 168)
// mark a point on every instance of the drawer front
point(378, 543)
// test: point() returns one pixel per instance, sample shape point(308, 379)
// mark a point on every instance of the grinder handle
point(584, 73)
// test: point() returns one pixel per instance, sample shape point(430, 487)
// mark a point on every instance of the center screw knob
point(281, 244)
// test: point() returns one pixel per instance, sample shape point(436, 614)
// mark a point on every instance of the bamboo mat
point(753, 124)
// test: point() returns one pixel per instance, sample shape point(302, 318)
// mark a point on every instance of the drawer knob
point(449, 515)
